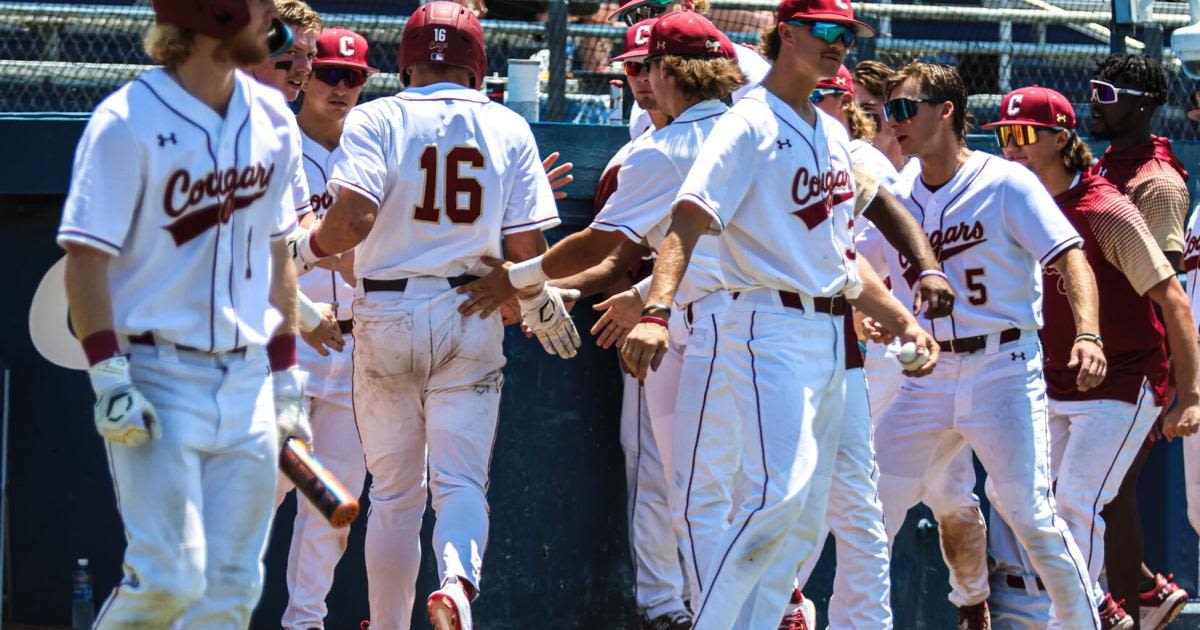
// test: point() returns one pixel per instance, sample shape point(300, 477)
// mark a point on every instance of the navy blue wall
point(558, 556)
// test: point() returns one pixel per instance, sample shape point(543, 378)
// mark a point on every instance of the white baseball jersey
point(992, 226)
point(648, 182)
point(187, 203)
point(752, 65)
point(1191, 259)
point(780, 192)
point(451, 172)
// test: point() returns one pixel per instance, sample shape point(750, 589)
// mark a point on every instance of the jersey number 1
point(456, 186)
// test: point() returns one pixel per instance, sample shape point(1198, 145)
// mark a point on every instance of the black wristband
point(1092, 337)
point(650, 308)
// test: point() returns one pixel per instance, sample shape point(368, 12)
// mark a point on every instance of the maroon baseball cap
point(629, 5)
point(689, 34)
point(637, 41)
point(1037, 106)
point(836, 11)
point(342, 47)
point(844, 81)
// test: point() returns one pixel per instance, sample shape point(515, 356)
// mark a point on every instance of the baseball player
point(1096, 434)
point(780, 339)
point(181, 288)
point(418, 196)
point(992, 224)
point(340, 71)
point(290, 70)
point(1126, 93)
point(869, 92)
point(752, 65)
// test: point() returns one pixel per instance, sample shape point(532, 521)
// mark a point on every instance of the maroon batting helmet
point(443, 32)
point(221, 19)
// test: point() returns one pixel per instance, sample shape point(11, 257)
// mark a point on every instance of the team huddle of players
point(772, 191)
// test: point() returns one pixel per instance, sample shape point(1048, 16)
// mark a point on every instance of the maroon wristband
point(101, 346)
point(312, 244)
point(650, 319)
point(281, 352)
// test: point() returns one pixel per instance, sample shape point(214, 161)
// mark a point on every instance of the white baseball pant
point(995, 401)
point(316, 545)
point(786, 370)
point(884, 376)
point(689, 395)
point(658, 574)
point(862, 583)
point(1191, 476)
point(196, 504)
point(426, 391)
point(1021, 604)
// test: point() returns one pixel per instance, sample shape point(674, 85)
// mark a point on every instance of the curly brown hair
point(299, 14)
point(862, 126)
point(873, 77)
point(704, 78)
point(168, 45)
point(1076, 155)
point(768, 44)
point(939, 83)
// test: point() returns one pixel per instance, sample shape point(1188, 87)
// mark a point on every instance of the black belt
point(835, 305)
point(400, 284)
point(346, 326)
point(1015, 581)
point(147, 339)
point(976, 343)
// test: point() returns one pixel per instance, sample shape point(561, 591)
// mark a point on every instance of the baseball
point(910, 359)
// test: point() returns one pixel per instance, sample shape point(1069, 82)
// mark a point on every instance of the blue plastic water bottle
point(83, 605)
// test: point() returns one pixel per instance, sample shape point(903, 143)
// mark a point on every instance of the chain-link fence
point(67, 56)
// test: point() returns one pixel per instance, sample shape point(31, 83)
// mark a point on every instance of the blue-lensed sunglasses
point(829, 31)
point(819, 94)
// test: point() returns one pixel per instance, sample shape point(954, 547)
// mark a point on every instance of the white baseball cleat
point(449, 608)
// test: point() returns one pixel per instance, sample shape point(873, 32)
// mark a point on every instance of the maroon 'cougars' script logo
point(947, 243)
point(815, 194)
point(201, 203)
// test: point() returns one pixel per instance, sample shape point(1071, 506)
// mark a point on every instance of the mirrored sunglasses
point(333, 76)
point(1023, 135)
point(634, 68)
point(1106, 93)
point(901, 109)
point(829, 32)
point(819, 94)
point(646, 11)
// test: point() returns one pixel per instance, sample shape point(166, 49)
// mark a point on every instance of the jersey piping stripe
point(696, 120)
point(687, 497)
point(324, 177)
point(766, 475)
point(207, 137)
point(519, 226)
point(605, 226)
point(92, 237)
point(693, 197)
point(356, 188)
point(237, 321)
point(942, 224)
point(637, 477)
point(443, 98)
point(1108, 473)
point(284, 232)
point(1057, 250)
point(811, 146)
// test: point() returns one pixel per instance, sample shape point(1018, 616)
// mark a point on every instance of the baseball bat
point(314, 481)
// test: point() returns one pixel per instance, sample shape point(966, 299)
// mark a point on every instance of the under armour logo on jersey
point(784, 143)
point(163, 140)
point(1017, 354)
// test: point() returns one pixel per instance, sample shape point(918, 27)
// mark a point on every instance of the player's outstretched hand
point(644, 349)
point(876, 332)
point(123, 416)
point(489, 292)
point(290, 417)
point(621, 313)
point(935, 294)
point(1183, 419)
point(1089, 358)
point(326, 334)
point(560, 176)
point(547, 318)
point(926, 345)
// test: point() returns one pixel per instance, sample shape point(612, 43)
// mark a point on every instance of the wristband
point(650, 319)
point(650, 308)
point(933, 272)
point(527, 273)
point(313, 247)
point(310, 314)
point(281, 352)
point(100, 346)
point(1092, 337)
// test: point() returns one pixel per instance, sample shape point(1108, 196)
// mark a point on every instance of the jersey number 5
point(978, 292)
point(456, 186)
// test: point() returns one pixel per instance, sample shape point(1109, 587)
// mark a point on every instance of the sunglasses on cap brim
point(333, 76)
point(830, 32)
point(819, 94)
point(645, 11)
point(1106, 93)
point(901, 109)
point(1022, 135)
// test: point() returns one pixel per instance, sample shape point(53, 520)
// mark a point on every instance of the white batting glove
point(290, 418)
point(299, 245)
point(545, 316)
point(123, 416)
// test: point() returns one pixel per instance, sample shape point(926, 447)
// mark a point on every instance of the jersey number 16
point(455, 186)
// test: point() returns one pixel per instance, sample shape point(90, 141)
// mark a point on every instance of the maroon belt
point(400, 284)
point(835, 305)
point(147, 339)
point(1015, 581)
point(346, 326)
point(978, 342)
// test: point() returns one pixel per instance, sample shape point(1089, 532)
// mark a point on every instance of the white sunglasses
point(1106, 93)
